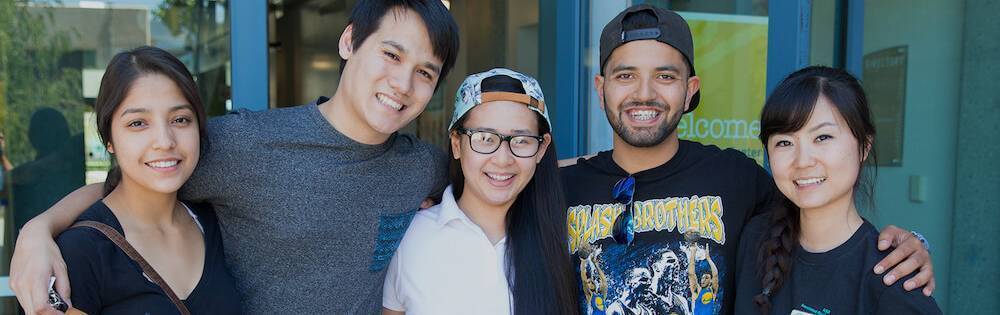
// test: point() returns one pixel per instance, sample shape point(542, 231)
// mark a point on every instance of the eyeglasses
point(624, 229)
point(487, 142)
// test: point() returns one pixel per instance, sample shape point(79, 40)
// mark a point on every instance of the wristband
point(923, 240)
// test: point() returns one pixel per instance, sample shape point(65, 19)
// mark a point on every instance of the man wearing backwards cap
point(673, 250)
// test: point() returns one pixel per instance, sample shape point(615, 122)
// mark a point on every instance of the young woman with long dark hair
point(140, 250)
point(497, 242)
point(814, 253)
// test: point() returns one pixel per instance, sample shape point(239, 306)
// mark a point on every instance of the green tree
point(31, 76)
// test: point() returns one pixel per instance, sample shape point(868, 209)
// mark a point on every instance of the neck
point(139, 208)
point(825, 228)
point(492, 219)
point(343, 117)
point(634, 159)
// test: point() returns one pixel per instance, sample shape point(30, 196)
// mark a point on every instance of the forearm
point(61, 215)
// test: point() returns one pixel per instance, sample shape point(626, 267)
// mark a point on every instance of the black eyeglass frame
point(503, 138)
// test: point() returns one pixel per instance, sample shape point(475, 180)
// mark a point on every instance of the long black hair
point(787, 110)
point(536, 229)
point(123, 70)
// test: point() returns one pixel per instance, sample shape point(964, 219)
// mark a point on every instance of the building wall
point(975, 256)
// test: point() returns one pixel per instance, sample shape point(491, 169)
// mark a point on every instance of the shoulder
point(423, 231)
point(714, 154)
point(583, 166)
point(409, 143)
point(72, 241)
point(247, 121)
point(896, 300)
point(415, 149)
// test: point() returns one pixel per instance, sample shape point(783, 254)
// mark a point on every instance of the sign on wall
point(884, 80)
point(731, 60)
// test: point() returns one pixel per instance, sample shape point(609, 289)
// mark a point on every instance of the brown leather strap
point(119, 240)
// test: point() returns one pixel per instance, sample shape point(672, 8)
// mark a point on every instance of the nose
point(504, 155)
point(645, 91)
point(401, 81)
point(164, 138)
point(804, 156)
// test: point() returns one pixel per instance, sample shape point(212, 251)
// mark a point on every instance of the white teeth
point(643, 115)
point(499, 177)
point(389, 102)
point(163, 164)
point(810, 181)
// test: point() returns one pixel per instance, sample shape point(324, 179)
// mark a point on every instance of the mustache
point(655, 104)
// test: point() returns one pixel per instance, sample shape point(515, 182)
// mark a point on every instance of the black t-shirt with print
point(839, 281)
point(104, 280)
point(689, 213)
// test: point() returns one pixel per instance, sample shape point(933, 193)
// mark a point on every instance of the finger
point(921, 279)
point(929, 288)
point(891, 260)
point(889, 236)
point(902, 270)
point(62, 287)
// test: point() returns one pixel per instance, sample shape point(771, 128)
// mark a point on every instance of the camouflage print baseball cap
point(470, 94)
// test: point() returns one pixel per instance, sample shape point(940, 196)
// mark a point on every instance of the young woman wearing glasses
point(497, 242)
point(813, 253)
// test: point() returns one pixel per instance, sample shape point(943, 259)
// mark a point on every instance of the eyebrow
point(622, 68)
point(515, 132)
point(825, 124)
point(401, 49)
point(668, 68)
point(657, 69)
point(144, 110)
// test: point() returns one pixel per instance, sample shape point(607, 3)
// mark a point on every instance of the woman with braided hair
point(813, 253)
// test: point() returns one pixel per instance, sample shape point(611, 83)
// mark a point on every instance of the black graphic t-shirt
point(688, 214)
point(839, 281)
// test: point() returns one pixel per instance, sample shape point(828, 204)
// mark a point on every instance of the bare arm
point(36, 256)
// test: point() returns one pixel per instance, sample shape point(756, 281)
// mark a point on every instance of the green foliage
point(31, 76)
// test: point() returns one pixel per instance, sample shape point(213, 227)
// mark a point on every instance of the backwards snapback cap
point(470, 94)
point(670, 29)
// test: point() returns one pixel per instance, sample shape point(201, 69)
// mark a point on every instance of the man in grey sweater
point(312, 199)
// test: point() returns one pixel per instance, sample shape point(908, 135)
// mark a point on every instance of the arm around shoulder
point(36, 256)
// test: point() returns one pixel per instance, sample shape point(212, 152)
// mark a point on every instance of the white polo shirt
point(445, 264)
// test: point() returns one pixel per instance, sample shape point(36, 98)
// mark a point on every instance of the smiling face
point(389, 79)
point(154, 136)
point(645, 90)
point(497, 178)
point(817, 166)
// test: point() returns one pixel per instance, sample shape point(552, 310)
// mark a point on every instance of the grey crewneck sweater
point(310, 218)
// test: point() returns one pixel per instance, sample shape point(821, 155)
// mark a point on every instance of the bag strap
point(119, 240)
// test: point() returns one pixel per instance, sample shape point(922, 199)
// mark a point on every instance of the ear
point(110, 147)
point(456, 145)
point(694, 84)
point(346, 48)
point(545, 146)
point(599, 86)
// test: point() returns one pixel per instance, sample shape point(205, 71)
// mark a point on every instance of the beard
point(642, 137)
